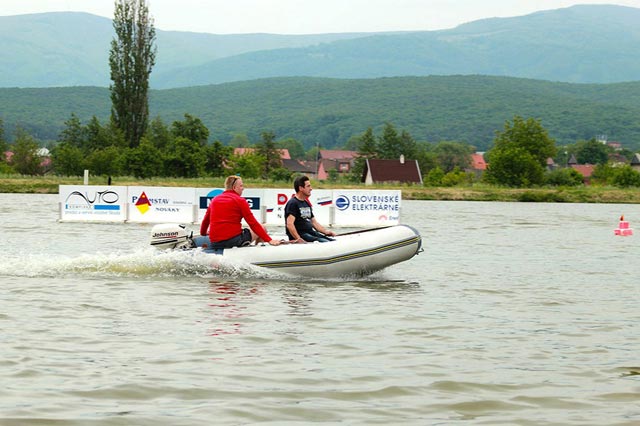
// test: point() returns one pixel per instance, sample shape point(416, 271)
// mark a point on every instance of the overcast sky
point(307, 16)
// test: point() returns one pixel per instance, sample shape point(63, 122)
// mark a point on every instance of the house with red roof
point(334, 159)
point(284, 153)
point(586, 170)
point(477, 165)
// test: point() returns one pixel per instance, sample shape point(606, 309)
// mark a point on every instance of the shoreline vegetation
point(476, 192)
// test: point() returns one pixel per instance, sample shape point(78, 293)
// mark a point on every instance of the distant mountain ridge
point(579, 44)
point(61, 49)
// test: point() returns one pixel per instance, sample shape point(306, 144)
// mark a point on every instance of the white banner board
point(93, 203)
point(149, 204)
point(156, 204)
point(367, 208)
point(274, 202)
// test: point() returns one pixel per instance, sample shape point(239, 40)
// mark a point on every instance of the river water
point(515, 313)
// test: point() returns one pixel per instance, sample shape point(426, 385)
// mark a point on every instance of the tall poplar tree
point(131, 59)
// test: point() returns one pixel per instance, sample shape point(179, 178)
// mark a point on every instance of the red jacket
point(223, 218)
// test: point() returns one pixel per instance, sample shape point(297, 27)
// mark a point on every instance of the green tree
point(519, 154)
point(434, 177)
point(367, 149)
point(334, 175)
point(144, 161)
point(456, 177)
point(191, 128)
point(450, 155)
point(352, 143)
point(217, 155)
point(408, 145)
point(514, 166)
point(625, 177)
point(107, 162)
point(368, 146)
point(389, 143)
point(25, 159)
point(427, 159)
point(591, 152)
point(280, 174)
point(74, 133)
point(528, 135)
point(186, 158)
point(246, 165)
point(563, 154)
point(313, 154)
point(268, 150)
point(564, 177)
point(239, 140)
point(159, 134)
point(67, 159)
point(131, 58)
point(603, 174)
point(98, 137)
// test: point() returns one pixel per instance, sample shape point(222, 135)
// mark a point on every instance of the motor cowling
point(171, 236)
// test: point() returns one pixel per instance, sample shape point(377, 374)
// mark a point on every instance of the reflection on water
point(514, 314)
point(224, 309)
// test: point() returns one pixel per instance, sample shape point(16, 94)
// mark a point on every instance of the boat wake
point(142, 263)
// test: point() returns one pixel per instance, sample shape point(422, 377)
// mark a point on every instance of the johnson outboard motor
point(172, 236)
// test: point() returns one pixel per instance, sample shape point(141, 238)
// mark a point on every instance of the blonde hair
point(230, 181)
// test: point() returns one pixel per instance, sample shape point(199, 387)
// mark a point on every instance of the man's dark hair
point(299, 182)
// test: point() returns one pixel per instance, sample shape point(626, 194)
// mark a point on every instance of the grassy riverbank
point(591, 194)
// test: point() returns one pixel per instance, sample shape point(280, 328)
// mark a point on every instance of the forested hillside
point(330, 111)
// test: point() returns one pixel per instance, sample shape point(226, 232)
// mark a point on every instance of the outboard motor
point(171, 236)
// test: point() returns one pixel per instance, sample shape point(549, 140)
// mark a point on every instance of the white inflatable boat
point(352, 254)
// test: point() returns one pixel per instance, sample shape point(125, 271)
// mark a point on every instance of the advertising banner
point(367, 208)
point(275, 200)
point(148, 204)
point(93, 203)
point(203, 198)
point(154, 204)
point(253, 196)
point(322, 203)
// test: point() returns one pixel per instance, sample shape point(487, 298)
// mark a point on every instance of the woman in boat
point(300, 223)
point(223, 219)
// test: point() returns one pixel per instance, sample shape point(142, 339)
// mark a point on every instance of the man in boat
point(223, 219)
point(300, 223)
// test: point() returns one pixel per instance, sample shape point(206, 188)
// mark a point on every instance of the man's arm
point(291, 227)
point(321, 228)
point(251, 220)
point(204, 226)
